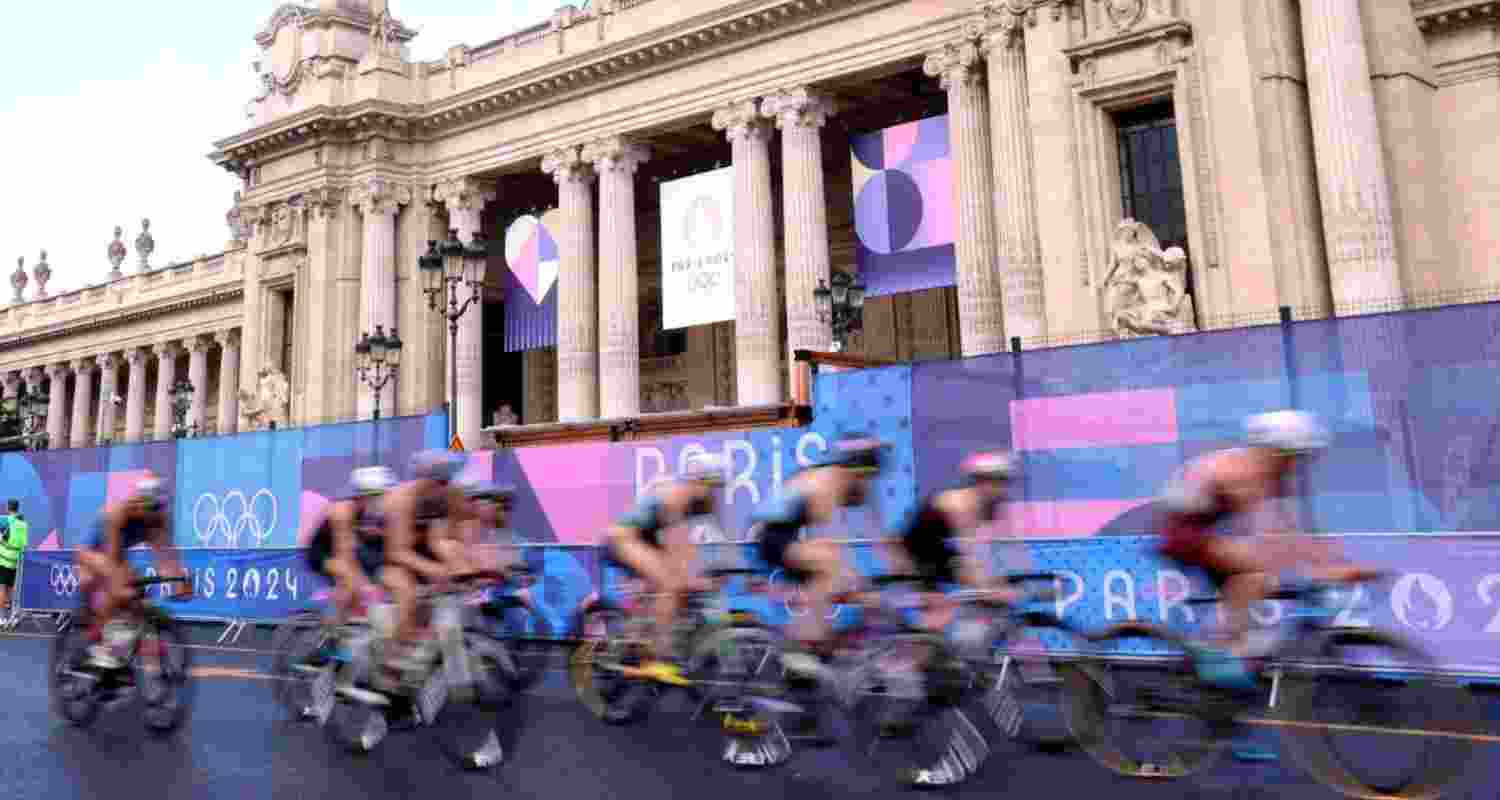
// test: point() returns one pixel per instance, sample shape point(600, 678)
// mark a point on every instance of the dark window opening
point(1151, 175)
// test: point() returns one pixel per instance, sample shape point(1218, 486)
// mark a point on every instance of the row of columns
point(107, 365)
point(598, 346)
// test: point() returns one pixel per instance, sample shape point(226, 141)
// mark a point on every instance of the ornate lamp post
point(377, 359)
point(841, 305)
point(450, 264)
point(182, 400)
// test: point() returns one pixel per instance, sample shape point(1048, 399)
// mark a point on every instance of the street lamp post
point(841, 305)
point(182, 400)
point(378, 358)
point(449, 264)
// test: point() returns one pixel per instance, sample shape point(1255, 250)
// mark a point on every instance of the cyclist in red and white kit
point(1241, 488)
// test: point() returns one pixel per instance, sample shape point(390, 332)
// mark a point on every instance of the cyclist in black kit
point(811, 498)
point(349, 545)
point(650, 541)
point(140, 519)
point(931, 543)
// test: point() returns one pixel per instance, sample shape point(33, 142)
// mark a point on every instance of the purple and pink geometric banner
point(904, 219)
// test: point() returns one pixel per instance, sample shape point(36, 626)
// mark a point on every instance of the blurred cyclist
point(934, 542)
point(652, 541)
point(814, 497)
point(1240, 487)
point(422, 515)
point(490, 506)
point(140, 519)
point(349, 545)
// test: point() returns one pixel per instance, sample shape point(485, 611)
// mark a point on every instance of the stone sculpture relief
point(1145, 292)
point(268, 405)
point(239, 227)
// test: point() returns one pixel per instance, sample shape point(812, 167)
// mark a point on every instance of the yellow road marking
point(1335, 726)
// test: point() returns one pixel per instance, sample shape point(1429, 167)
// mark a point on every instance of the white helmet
point(372, 481)
point(705, 467)
point(1294, 432)
point(151, 489)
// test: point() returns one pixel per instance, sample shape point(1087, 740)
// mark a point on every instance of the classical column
point(577, 315)
point(229, 380)
point(378, 200)
point(1023, 309)
point(109, 376)
point(800, 113)
point(757, 328)
point(465, 199)
point(57, 405)
point(10, 385)
point(197, 347)
point(615, 160)
point(166, 374)
point(1356, 193)
point(981, 327)
point(135, 395)
point(83, 393)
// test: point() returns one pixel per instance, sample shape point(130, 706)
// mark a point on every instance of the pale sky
point(109, 110)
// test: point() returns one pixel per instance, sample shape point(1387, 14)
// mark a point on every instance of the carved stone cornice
point(1171, 37)
point(1442, 15)
point(800, 106)
point(379, 196)
point(653, 50)
point(203, 298)
point(463, 194)
point(615, 153)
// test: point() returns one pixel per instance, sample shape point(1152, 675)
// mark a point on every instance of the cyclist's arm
point(166, 553)
point(401, 545)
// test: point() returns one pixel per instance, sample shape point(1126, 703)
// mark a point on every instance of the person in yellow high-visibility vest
point(13, 530)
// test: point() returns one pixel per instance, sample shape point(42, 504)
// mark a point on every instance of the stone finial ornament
point(144, 244)
point(1145, 291)
point(43, 273)
point(18, 280)
point(116, 255)
point(239, 227)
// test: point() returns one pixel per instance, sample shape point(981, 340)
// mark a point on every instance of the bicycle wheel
point(903, 707)
point(302, 693)
point(1144, 715)
point(1367, 716)
point(72, 684)
point(1024, 689)
point(739, 686)
point(609, 641)
point(526, 635)
point(164, 673)
point(467, 724)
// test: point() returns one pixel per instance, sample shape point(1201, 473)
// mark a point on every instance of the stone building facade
point(1122, 168)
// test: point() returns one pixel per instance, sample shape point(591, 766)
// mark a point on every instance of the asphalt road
point(236, 746)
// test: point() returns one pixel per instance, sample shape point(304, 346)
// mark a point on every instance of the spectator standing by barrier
point(13, 539)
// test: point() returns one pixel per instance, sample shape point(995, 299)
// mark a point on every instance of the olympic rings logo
point(64, 580)
point(224, 527)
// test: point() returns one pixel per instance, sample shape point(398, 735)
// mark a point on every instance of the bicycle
point(907, 686)
point(156, 666)
point(727, 655)
point(467, 675)
point(1313, 656)
point(305, 685)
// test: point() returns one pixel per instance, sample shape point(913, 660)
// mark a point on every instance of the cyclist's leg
point(1244, 577)
point(402, 585)
point(345, 588)
point(648, 562)
point(823, 561)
